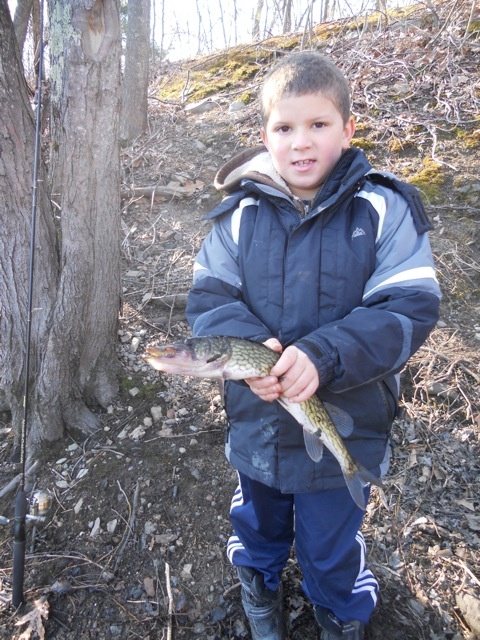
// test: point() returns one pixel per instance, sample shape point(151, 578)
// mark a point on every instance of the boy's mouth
point(303, 163)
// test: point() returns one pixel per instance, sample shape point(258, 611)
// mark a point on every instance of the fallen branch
point(165, 191)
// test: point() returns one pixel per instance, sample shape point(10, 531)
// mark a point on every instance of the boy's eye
point(319, 125)
point(284, 128)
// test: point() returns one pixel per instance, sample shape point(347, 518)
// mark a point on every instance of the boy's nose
point(301, 140)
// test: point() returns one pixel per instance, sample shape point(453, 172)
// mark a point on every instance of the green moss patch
point(430, 180)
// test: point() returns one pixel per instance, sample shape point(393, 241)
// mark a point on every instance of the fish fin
point(313, 445)
point(356, 487)
point(342, 420)
point(356, 484)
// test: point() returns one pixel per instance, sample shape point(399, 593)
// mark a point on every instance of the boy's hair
point(305, 73)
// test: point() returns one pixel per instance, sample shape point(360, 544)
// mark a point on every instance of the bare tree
point(287, 16)
point(85, 96)
point(325, 7)
point(222, 22)
point(235, 22)
point(135, 81)
point(257, 15)
point(16, 162)
point(77, 275)
point(21, 19)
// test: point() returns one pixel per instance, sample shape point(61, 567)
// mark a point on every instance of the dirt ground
point(134, 544)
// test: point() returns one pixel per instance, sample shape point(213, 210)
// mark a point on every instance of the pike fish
point(228, 358)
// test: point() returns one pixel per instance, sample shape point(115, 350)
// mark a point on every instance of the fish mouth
point(161, 352)
point(169, 359)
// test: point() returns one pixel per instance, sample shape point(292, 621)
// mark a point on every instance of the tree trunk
point(17, 132)
point(76, 284)
point(21, 20)
point(287, 16)
point(135, 81)
point(222, 22)
point(85, 161)
point(257, 15)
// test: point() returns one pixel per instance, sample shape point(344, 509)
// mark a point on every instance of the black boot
point(263, 607)
point(333, 628)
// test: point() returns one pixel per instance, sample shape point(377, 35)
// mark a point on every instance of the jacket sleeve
point(400, 304)
point(215, 304)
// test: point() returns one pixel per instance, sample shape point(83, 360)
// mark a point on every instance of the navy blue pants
point(330, 550)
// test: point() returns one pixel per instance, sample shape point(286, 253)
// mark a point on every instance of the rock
point(470, 607)
point(108, 576)
point(149, 586)
point(112, 525)
point(187, 571)
point(136, 341)
point(150, 528)
point(198, 628)
point(137, 433)
point(95, 530)
point(202, 106)
point(156, 413)
point(236, 106)
point(115, 629)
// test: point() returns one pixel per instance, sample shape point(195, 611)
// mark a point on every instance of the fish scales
point(236, 359)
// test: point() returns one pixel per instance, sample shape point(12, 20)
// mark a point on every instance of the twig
point(460, 565)
point(232, 588)
point(467, 28)
point(433, 133)
point(170, 601)
point(447, 359)
point(131, 521)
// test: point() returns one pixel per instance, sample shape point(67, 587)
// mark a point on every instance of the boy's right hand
point(267, 388)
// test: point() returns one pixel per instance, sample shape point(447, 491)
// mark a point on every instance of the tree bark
point(256, 20)
point(21, 19)
point(17, 133)
point(85, 160)
point(135, 81)
point(77, 270)
point(287, 16)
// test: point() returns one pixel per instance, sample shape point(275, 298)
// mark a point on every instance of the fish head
point(194, 357)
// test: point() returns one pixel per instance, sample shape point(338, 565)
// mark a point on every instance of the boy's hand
point(297, 375)
point(267, 388)
point(294, 376)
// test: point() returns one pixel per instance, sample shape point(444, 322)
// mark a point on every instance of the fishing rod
point(42, 501)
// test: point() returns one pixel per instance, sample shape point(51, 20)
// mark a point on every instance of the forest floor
point(134, 544)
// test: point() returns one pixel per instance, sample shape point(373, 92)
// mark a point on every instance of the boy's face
point(306, 136)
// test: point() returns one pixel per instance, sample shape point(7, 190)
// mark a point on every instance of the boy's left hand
point(297, 375)
point(294, 376)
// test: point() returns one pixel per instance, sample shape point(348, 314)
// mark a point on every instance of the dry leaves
point(34, 619)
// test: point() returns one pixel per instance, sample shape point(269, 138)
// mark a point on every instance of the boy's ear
point(348, 132)
point(264, 136)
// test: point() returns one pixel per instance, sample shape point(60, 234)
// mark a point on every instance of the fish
point(231, 358)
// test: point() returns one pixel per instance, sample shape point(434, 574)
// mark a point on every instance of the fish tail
point(356, 483)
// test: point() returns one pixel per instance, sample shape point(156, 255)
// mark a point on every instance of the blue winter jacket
point(349, 279)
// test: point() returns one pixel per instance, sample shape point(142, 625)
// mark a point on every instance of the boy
point(313, 255)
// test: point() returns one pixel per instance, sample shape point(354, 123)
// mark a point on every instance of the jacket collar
point(252, 171)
